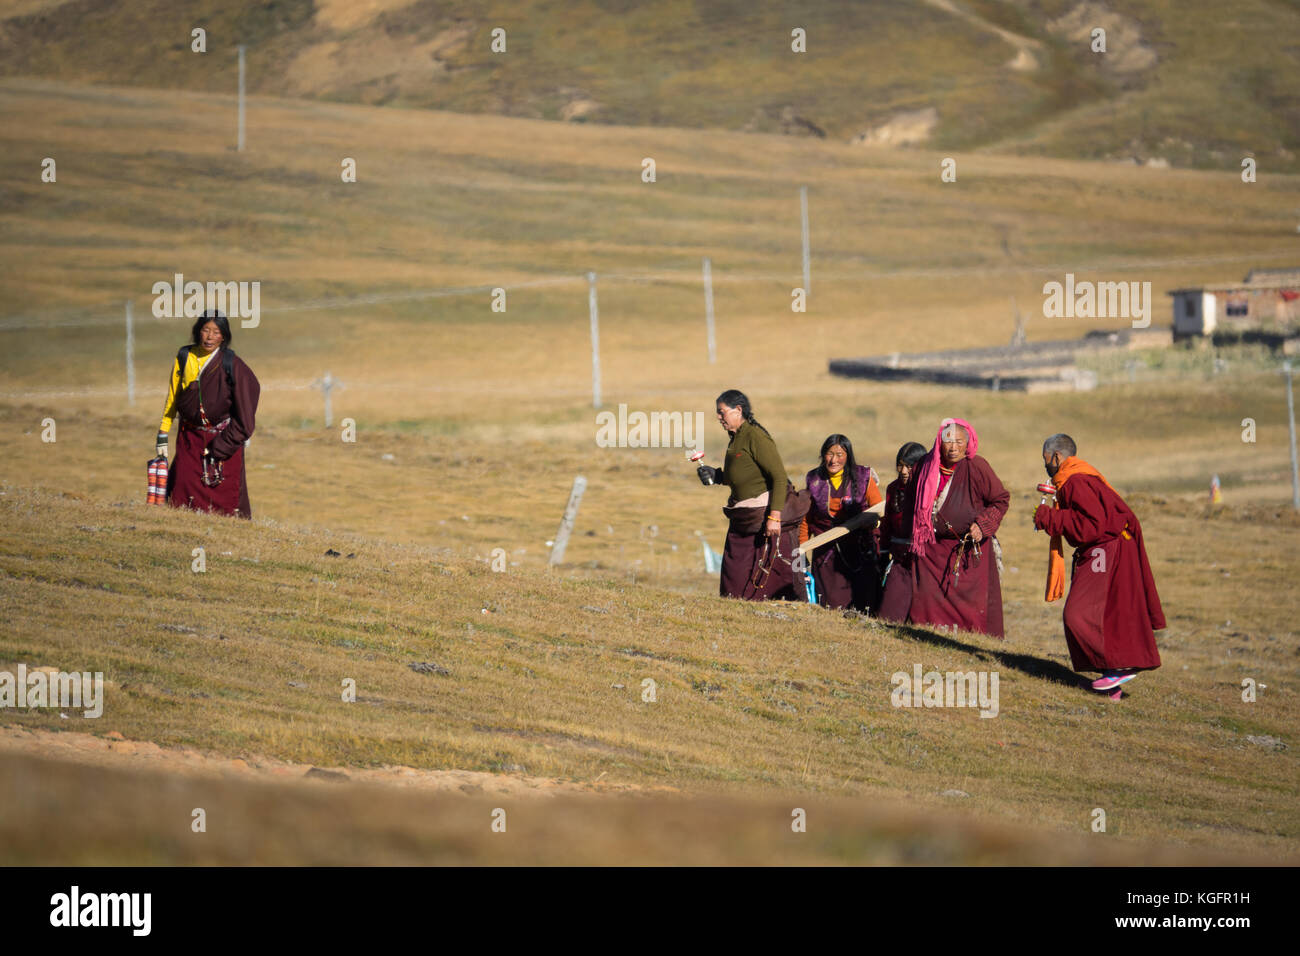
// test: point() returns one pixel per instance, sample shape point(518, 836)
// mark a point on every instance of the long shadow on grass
point(1025, 663)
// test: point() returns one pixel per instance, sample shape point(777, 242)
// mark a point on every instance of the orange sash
point(1055, 553)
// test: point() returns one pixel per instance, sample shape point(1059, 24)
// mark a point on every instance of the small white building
point(1265, 297)
point(1194, 312)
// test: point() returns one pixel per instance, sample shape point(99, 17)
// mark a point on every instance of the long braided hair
point(735, 398)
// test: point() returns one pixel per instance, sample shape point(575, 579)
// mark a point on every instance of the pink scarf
point(927, 485)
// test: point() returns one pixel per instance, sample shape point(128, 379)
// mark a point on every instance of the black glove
point(865, 520)
point(709, 475)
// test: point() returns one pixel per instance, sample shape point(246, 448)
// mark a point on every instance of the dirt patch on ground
point(24, 8)
point(113, 750)
point(578, 108)
point(72, 813)
point(1125, 52)
point(1025, 60)
point(344, 15)
point(380, 64)
point(903, 129)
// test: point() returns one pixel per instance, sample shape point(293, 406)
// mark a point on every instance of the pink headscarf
point(927, 484)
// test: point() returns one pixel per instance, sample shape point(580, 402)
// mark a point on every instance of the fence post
point(566, 523)
point(708, 308)
point(595, 340)
point(1290, 414)
point(130, 356)
point(807, 258)
point(241, 99)
point(327, 386)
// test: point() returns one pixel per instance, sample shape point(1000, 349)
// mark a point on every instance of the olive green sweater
point(753, 466)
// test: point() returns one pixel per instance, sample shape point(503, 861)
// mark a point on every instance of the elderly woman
point(954, 504)
point(847, 570)
point(764, 511)
point(214, 394)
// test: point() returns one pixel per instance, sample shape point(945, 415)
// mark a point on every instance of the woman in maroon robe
point(215, 397)
point(895, 527)
point(954, 504)
point(847, 570)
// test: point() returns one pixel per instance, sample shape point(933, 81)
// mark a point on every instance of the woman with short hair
point(214, 396)
point(839, 489)
point(763, 511)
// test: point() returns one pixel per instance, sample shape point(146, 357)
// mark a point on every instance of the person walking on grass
point(763, 511)
point(214, 394)
point(895, 530)
point(847, 572)
point(954, 504)
point(1113, 610)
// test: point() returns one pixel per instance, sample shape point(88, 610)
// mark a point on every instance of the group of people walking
point(925, 551)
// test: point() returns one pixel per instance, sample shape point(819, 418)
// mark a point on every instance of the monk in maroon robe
point(954, 504)
point(217, 413)
point(1113, 610)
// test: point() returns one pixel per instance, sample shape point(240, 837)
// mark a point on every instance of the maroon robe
point(845, 571)
point(922, 589)
point(896, 541)
point(741, 557)
point(1113, 610)
point(202, 407)
point(895, 532)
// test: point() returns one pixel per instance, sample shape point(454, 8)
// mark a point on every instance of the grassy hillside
point(902, 262)
point(149, 185)
point(544, 677)
point(1177, 81)
point(471, 425)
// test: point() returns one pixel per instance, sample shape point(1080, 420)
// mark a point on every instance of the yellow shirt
point(194, 365)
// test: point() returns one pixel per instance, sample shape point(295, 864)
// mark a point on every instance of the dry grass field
point(487, 418)
point(544, 677)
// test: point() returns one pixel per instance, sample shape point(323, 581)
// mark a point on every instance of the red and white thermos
point(157, 481)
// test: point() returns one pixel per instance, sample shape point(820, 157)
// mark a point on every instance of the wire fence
point(109, 313)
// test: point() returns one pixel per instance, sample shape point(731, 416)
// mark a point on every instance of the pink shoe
point(1112, 679)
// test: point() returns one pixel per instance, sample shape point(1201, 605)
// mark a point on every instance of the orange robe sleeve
point(874, 497)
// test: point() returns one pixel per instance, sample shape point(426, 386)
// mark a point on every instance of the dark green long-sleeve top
point(753, 466)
